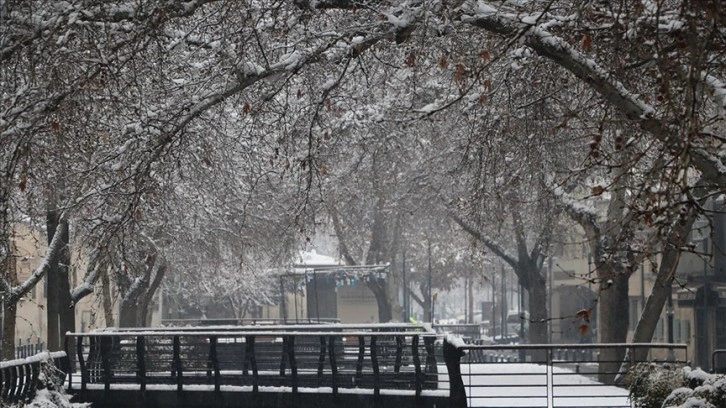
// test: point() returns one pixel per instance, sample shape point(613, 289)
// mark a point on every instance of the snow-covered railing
point(290, 327)
point(556, 375)
point(384, 359)
point(19, 378)
point(465, 330)
point(244, 321)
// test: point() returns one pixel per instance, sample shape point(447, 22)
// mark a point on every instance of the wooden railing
point(19, 379)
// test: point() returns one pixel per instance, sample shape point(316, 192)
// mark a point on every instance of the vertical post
point(250, 356)
point(333, 364)
point(293, 363)
point(550, 378)
point(140, 362)
point(399, 354)
point(405, 289)
point(283, 358)
point(457, 392)
point(215, 362)
point(431, 367)
point(669, 323)
point(34, 379)
point(549, 299)
point(376, 372)
point(321, 361)
point(430, 284)
point(283, 307)
point(82, 365)
point(359, 364)
point(417, 367)
point(504, 305)
point(106, 362)
point(178, 371)
point(69, 368)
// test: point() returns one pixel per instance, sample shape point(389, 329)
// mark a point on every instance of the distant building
point(328, 290)
point(698, 295)
point(29, 246)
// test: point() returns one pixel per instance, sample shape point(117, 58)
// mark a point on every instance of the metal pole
point(505, 307)
point(549, 298)
point(430, 297)
point(405, 289)
point(521, 311)
point(317, 303)
point(669, 314)
point(283, 308)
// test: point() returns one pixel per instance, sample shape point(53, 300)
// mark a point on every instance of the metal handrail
point(551, 381)
point(107, 357)
point(713, 359)
point(19, 379)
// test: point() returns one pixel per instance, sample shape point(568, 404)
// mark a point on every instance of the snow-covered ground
point(532, 385)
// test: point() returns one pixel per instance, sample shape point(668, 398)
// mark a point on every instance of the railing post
point(452, 358)
point(333, 364)
point(3, 379)
point(141, 362)
point(29, 385)
point(431, 367)
point(82, 365)
point(399, 354)
point(14, 378)
point(376, 371)
point(35, 371)
point(321, 361)
point(293, 363)
point(550, 379)
point(417, 367)
point(359, 364)
point(215, 362)
point(177, 363)
point(285, 356)
point(250, 356)
point(106, 348)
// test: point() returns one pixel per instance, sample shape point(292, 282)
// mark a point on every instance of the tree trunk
point(661, 291)
point(128, 312)
point(148, 296)
point(66, 312)
point(378, 287)
point(52, 307)
point(538, 315)
point(613, 313)
point(106, 294)
point(10, 312)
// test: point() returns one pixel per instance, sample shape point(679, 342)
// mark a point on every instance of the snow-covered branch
point(57, 244)
point(588, 70)
point(89, 280)
point(490, 243)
